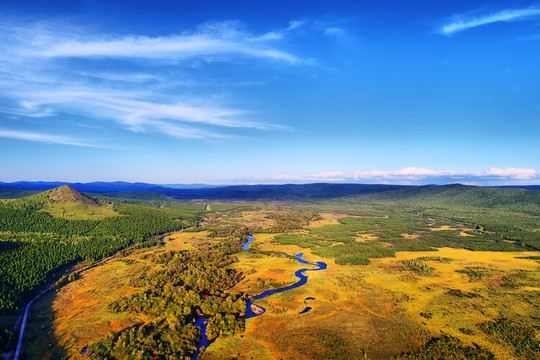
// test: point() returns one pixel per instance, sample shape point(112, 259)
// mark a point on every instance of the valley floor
point(376, 311)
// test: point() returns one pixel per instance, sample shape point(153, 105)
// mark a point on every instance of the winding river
point(300, 274)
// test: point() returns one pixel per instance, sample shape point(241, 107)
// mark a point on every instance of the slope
point(36, 247)
point(461, 195)
point(66, 202)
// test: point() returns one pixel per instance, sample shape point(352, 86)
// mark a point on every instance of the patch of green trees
point(186, 286)
point(519, 336)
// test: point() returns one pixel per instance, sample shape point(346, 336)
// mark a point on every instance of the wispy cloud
point(56, 69)
point(412, 175)
point(134, 110)
point(464, 22)
point(327, 176)
point(43, 138)
point(335, 31)
point(216, 39)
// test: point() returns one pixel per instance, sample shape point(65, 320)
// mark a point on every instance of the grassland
point(394, 304)
point(65, 321)
point(437, 279)
point(385, 308)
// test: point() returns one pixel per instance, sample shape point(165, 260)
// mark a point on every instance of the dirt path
point(47, 288)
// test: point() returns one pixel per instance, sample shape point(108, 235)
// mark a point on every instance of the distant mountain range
point(227, 192)
point(98, 186)
point(199, 191)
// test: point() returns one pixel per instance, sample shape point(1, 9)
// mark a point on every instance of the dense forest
point(35, 247)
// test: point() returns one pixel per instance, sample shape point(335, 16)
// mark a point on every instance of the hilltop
point(66, 194)
point(66, 202)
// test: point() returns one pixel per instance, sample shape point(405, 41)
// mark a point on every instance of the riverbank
point(253, 310)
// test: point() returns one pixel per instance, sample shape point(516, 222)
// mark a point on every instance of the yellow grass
point(78, 313)
point(381, 308)
point(444, 227)
point(328, 219)
point(377, 307)
point(428, 294)
point(366, 237)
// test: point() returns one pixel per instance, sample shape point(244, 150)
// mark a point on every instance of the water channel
point(300, 274)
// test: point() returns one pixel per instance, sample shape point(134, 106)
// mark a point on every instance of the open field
point(384, 308)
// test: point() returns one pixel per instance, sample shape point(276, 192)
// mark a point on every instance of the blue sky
point(263, 91)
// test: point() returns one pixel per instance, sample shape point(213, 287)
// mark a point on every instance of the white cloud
point(512, 173)
point(296, 24)
point(44, 74)
point(44, 138)
point(412, 175)
point(466, 22)
point(132, 110)
point(335, 31)
point(216, 39)
point(328, 176)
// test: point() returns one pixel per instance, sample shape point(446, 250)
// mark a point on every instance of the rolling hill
point(67, 202)
point(7, 192)
point(461, 195)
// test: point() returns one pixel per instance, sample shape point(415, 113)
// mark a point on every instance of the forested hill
point(281, 192)
point(460, 195)
point(44, 233)
point(507, 213)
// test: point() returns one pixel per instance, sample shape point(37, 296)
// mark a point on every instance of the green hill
point(66, 202)
point(462, 195)
point(43, 234)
